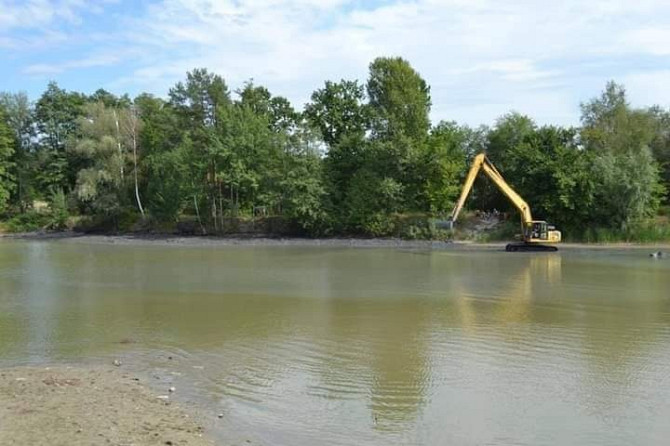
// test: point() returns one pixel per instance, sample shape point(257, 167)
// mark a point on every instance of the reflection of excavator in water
point(534, 233)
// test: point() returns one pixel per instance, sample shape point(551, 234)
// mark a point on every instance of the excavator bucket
point(444, 224)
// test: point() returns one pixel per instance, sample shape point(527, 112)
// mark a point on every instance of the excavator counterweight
point(534, 233)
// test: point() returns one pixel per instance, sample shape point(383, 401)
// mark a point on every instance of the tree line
point(356, 159)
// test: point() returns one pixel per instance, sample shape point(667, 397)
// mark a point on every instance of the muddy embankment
point(213, 241)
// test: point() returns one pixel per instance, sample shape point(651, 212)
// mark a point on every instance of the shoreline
point(326, 242)
point(83, 405)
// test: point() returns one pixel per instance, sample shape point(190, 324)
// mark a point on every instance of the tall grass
point(650, 231)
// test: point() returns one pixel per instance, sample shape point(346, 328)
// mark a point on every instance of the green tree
point(20, 118)
point(57, 114)
point(278, 110)
point(554, 176)
point(7, 144)
point(620, 136)
point(379, 158)
point(340, 164)
point(110, 100)
point(660, 145)
point(166, 180)
point(198, 99)
point(441, 166)
point(170, 187)
point(356, 157)
point(198, 103)
point(399, 102)
point(628, 188)
point(509, 132)
point(245, 153)
point(399, 98)
point(370, 201)
point(301, 184)
point(283, 117)
point(338, 111)
point(100, 183)
point(610, 124)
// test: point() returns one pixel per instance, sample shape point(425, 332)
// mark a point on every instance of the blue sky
point(482, 58)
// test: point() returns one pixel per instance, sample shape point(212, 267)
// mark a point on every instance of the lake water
point(345, 346)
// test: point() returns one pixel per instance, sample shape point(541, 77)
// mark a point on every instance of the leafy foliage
point(361, 158)
point(7, 143)
point(338, 111)
point(57, 114)
point(19, 116)
point(399, 98)
point(629, 186)
point(101, 178)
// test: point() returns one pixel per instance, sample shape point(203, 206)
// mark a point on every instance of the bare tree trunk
point(137, 188)
point(133, 125)
point(213, 206)
point(197, 213)
point(212, 194)
point(130, 128)
point(237, 200)
point(118, 142)
point(221, 203)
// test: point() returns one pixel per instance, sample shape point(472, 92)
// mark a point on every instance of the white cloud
point(38, 13)
point(481, 57)
point(645, 88)
point(655, 41)
point(517, 51)
point(93, 61)
point(29, 25)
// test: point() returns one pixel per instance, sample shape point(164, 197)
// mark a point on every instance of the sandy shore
point(89, 406)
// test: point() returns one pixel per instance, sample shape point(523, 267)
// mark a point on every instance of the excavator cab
point(538, 231)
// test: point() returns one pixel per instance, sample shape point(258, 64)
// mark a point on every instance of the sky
point(482, 58)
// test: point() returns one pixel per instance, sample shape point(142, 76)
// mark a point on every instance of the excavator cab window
point(539, 230)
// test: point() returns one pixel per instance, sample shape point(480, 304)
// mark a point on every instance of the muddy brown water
point(345, 346)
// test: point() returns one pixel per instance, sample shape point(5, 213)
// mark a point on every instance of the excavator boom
point(533, 232)
point(481, 162)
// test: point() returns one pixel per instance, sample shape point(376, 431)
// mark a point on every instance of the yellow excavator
point(534, 233)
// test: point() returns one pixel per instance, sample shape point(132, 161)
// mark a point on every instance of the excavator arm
point(481, 162)
point(533, 233)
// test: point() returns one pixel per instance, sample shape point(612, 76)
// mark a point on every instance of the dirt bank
point(72, 237)
point(203, 241)
point(88, 406)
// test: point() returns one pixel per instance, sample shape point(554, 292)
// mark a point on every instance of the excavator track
point(527, 247)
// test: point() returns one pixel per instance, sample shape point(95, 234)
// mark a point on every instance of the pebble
point(220, 415)
point(172, 389)
point(117, 363)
